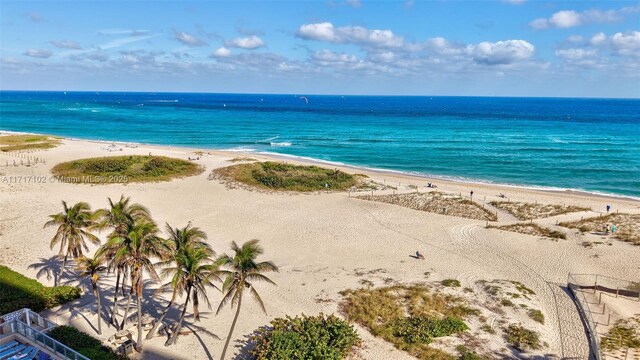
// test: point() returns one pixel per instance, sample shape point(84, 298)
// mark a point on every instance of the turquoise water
point(583, 144)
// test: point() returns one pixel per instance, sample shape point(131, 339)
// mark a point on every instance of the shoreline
point(361, 168)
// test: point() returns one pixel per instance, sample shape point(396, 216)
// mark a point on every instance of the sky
point(404, 47)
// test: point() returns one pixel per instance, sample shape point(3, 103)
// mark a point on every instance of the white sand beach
point(323, 243)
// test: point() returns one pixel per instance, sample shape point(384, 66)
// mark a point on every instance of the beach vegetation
point(450, 283)
point(242, 270)
point(466, 354)
point(305, 337)
point(627, 226)
point(192, 270)
point(531, 229)
point(242, 159)
point(18, 291)
point(624, 334)
point(117, 218)
point(74, 226)
point(91, 267)
point(84, 343)
point(280, 176)
point(27, 142)
point(522, 338)
point(436, 202)
point(125, 169)
point(536, 315)
point(408, 316)
point(529, 211)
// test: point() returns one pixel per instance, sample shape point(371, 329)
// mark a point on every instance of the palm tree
point(74, 230)
point(179, 241)
point(136, 251)
point(118, 217)
point(242, 271)
point(194, 271)
point(91, 267)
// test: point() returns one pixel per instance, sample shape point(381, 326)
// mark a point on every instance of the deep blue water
point(585, 144)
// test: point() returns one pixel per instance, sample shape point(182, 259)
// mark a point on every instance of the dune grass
point(529, 211)
point(124, 169)
point(279, 176)
point(436, 202)
point(522, 338)
point(27, 142)
point(624, 334)
point(242, 159)
point(628, 226)
point(408, 316)
point(18, 291)
point(531, 229)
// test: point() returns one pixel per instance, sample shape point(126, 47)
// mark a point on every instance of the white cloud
point(349, 35)
point(35, 17)
point(570, 18)
point(249, 42)
point(575, 39)
point(125, 41)
point(627, 44)
point(598, 39)
point(66, 44)
point(188, 39)
point(328, 56)
point(222, 52)
point(515, 2)
point(354, 3)
point(501, 52)
point(576, 53)
point(38, 53)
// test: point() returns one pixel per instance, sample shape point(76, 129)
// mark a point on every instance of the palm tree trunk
point(139, 341)
point(196, 313)
point(114, 312)
point(233, 325)
point(96, 292)
point(126, 311)
point(174, 336)
point(152, 332)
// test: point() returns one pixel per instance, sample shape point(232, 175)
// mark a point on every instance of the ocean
point(560, 143)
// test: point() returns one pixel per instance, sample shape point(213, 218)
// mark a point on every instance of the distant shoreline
point(354, 168)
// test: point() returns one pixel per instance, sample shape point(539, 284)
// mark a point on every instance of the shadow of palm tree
point(50, 268)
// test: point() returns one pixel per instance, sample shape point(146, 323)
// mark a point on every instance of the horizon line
point(323, 94)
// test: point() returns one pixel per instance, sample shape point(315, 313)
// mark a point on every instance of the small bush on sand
point(522, 338)
point(84, 343)
point(536, 315)
point(27, 142)
point(306, 337)
point(450, 283)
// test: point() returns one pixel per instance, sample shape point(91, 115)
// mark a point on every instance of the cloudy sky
point(502, 48)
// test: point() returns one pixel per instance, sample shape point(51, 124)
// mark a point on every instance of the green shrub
point(466, 354)
point(306, 337)
point(536, 315)
point(18, 291)
point(282, 176)
point(421, 329)
point(84, 343)
point(522, 338)
point(450, 283)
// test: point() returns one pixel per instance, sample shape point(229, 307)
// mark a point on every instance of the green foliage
point(383, 311)
point(506, 302)
point(282, 176)
point(84, 344)
point(466, 354)
point(306, 337)
point(421, 329)
point(522, 338)
point(450, 283)
point(27, 142)
point(624, 334)
point(536, 315)
point(522, 288)
point(123, 169)
point(18, 291)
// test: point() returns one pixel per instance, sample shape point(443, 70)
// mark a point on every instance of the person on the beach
point(607, 229)
point(419, 256)
point(471, 193)
point(608, 208)
point(614, 228)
